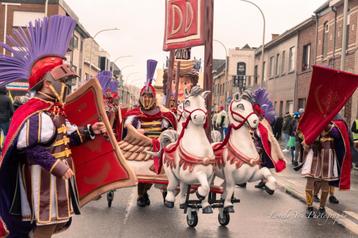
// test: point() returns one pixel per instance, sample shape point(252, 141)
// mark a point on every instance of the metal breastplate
point(152, 129)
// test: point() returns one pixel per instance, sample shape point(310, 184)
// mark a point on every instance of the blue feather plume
point(47, 37)
point(261, 97)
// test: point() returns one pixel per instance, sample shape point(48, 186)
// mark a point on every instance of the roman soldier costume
point(151, 120)
point(328, 161)
point(37, 153)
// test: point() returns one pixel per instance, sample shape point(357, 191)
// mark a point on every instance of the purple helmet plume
point(48, 37)
point(104, 77)
point(151, 66)
point(261, 97)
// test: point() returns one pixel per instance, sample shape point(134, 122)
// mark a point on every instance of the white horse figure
point(237, 158)
point(189, 159)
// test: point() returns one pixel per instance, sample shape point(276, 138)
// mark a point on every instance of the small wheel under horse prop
point(191, 207)
point(192, 218)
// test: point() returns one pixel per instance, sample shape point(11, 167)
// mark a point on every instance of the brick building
point(306, 49)
point(317, 40)
point(279, 73)
point(329, 43)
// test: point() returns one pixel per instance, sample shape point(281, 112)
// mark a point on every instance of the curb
point(340, 219)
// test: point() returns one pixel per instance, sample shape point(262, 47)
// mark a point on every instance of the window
point(291, 59)
point(301, 103)
point(255, 74)
point(281, 107)
point(325, 39)
point(347, 39)
point(277, 64)
point(289, 106)
point(22, 18)
point(264, 72)
point(272, 66)
point(283, 58)
point(306, 63)
point(74, 42)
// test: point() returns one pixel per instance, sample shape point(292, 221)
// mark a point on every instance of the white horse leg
point(182, 194)
point(203, 192)
point(229, 190)
point(172, 185)
point(271, 181)
point(265, 173)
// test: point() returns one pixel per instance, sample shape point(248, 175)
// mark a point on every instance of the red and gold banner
point(184, 24)
point(329, 91)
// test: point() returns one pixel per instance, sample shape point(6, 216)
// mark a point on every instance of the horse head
point(241, 113)
point(193, 108)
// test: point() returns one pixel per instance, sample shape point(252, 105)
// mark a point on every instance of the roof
point(287, 34)
point(322, 7)
point(219, 66)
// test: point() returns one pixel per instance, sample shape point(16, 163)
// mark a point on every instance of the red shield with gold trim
point(100, 165)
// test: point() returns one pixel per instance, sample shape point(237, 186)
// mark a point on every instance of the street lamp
point(103, 30)
point(263, 37)
point(126, 66)
point(121, 57)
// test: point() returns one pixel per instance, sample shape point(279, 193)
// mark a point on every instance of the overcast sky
point(141, 24)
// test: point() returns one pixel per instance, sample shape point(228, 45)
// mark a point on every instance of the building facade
point(329, 38)
point(306, 53)
point(279, 73)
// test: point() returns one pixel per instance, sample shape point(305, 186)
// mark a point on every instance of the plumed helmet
point(37, 50)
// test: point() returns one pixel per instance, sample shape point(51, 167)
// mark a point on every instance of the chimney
point(274, 36)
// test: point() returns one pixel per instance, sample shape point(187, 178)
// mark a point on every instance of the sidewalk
point(347, 210)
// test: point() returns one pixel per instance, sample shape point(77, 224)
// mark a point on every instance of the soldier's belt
point(66, 153)
point(326, 139)
point(64, 141)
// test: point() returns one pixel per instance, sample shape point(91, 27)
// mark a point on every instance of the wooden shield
point(100, 165)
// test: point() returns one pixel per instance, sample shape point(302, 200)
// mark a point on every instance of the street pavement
point(258, 215)
point(293, 183)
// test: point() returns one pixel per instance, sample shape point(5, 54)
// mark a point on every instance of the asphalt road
point(258, 215)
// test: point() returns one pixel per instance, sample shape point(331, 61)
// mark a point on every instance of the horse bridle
point(241, 123)
point(190, 113)
point(232, 126)
point(185, 125)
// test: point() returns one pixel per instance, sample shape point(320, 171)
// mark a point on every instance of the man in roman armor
point(327, 162)
point(37, 183)
point(150, 120)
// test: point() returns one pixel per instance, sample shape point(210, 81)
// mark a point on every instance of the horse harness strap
point(235, 156)
point(185, 125)
point(232, 126)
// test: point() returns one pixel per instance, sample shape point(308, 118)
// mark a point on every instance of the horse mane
point(195, 91)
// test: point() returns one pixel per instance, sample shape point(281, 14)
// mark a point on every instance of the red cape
point(30, 108)
point(344, 156)
point(279, 164)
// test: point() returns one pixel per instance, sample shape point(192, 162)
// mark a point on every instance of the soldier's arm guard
point(40, 155)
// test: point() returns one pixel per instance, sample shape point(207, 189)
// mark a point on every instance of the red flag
point(329, 91)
